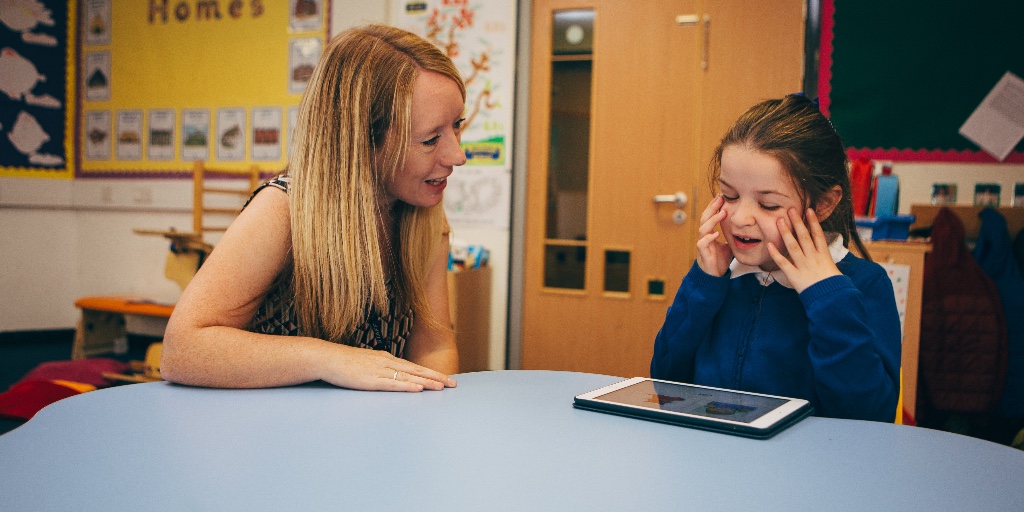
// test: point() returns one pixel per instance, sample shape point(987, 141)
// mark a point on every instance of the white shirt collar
point(738, 269)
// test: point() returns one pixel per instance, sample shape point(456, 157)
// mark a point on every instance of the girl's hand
point(713, 255)
point(809, 259)
point(362, 368)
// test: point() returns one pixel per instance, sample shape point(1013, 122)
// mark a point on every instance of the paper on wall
point(997, 125)
point(900, 277)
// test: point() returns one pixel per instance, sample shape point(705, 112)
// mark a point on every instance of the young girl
point(781, 306)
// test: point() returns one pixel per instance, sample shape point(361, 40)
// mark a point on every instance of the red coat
point(963, 330)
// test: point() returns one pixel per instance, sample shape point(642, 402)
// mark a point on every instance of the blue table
point(500, 441)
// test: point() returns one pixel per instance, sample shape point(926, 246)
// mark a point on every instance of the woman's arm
point(205, 343)
point(434, 346)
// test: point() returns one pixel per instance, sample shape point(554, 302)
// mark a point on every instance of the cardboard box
point(469, 302)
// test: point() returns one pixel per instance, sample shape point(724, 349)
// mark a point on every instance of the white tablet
point(721, 410)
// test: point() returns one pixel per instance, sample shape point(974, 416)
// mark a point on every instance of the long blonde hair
point(351, 139)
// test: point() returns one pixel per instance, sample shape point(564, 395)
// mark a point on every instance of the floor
point(21, 351)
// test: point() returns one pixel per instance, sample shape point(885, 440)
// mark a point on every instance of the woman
point(337, 272)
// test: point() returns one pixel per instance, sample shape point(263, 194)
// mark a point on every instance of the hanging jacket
point(1018, 249)
point(963, 332)
point(994, 253)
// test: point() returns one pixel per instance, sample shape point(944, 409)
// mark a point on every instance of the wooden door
point(603, 259)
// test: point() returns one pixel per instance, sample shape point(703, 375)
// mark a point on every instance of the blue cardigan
point(837, 344)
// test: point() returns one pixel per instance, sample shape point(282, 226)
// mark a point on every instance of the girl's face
point(758, 191)
point(434, 142)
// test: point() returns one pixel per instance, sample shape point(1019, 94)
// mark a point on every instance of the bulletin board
point(164, 83)
point(900, 78)
point(480, 38)
point(37, 99)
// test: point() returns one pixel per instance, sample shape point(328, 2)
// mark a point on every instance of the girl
point(781, 306)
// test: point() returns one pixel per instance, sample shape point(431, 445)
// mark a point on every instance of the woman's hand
point(361, 368)
point(713, 255)
point(809, 260)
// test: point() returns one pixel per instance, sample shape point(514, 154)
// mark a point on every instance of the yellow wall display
point(166, 82)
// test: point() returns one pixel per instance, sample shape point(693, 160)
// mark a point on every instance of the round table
point(505, 440)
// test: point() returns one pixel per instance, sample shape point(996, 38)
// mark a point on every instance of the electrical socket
point(142, 196)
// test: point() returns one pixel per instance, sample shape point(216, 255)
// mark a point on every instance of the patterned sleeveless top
point(276, 314)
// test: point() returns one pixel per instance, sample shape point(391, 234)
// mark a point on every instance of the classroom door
point(627, 100)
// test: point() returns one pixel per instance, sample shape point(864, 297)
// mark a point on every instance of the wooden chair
point(229, 196)
point(214, 204)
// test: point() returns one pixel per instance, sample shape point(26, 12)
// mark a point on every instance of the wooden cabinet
point(469, 303)
point(912, 255)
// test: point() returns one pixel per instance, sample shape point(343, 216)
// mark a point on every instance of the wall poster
point(210, 82)
point(37, 92)
point(480, 37)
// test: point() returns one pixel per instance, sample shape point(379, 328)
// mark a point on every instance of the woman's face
point(434, 142)
point(758, 191)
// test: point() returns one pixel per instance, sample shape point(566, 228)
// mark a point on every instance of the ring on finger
point(395, 376)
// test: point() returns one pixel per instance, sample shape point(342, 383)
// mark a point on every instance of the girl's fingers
point(800, 229)
point(713, 208)
point(708, 225)
point(781, 261)
point(817, 233)
point(793, 246)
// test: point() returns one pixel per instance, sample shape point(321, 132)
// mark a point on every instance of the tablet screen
point(709, 403)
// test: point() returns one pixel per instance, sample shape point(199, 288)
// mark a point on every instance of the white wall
point(64, 239)
point(67, 239)
point(916, 180)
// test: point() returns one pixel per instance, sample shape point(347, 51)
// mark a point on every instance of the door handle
point(679, 199)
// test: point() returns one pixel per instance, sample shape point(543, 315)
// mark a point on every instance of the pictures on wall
point(305, 15)
point(129, 135)
point(220, 84)
point(230, 129)
point(97, 76)
point(302, 57)
point(266, 134)
point(195, 134)
point(161, 134)
point(987, 194)
point(943, 193)
point(96, 22)
point(1018, 195)
point(97, 139)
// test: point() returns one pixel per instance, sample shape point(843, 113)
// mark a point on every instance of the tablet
point(720, 410)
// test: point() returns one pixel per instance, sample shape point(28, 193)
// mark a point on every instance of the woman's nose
point(454, 155)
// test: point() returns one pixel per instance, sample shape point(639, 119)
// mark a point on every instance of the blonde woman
point(336, 272)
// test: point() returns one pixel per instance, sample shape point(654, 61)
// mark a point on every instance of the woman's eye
point(729, 199)
point(432, 141)
point(458, 124)
point(770, 208)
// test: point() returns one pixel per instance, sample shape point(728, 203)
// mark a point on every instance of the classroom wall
point(62, 239)
point(916, 179)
